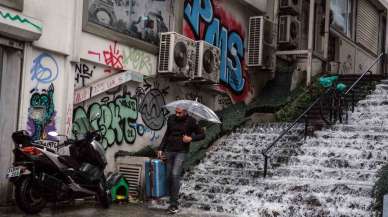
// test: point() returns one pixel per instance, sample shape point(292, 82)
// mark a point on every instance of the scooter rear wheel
point(27, 197)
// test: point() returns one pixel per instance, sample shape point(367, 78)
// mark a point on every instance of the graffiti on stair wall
point(113, 118)
point(83, 72)
point(119, 57)
point(151, 101)
point(123, 116)
point(139, 60)
point(208, 20)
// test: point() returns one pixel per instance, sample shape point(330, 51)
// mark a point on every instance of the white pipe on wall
point(310, 42)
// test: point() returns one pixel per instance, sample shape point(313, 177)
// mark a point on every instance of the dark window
point(341, 16)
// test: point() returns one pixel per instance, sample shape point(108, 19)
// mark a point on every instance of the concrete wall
point(224, 24)
point(70, 73)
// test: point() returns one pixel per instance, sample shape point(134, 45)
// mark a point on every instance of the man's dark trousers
point(174, 173)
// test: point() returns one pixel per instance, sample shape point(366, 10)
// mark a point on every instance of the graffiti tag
point(83, 72)
point(44, 69)
point(230, 41)
point(114, 120)
point(140, 60)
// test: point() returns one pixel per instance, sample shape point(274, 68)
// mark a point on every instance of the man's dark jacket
point(176, 129)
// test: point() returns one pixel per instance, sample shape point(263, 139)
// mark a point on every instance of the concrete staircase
point(329, 174)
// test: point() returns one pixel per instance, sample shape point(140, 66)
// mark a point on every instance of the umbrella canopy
point(195, 109)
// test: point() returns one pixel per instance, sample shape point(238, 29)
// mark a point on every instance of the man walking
point(182, 129)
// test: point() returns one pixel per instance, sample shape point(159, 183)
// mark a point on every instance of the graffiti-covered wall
point(130, 114)
point(43, 93)
point(224, 24)
point(142, 19)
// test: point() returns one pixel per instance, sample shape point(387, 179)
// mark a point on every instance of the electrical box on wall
point(289, 32)
point(176, 55)
point(207, 64)
point(261, 43)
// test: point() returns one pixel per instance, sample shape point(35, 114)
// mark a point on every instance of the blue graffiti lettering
point(236, 49)
point(194, 12)
point(230, 42)
point(41, 70)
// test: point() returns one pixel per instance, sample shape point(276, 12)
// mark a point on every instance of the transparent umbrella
point(195, 109)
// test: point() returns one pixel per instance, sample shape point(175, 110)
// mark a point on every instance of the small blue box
point(156, 178)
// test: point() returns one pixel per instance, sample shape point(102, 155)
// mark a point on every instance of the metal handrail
point(364, 73)
point(265, 151)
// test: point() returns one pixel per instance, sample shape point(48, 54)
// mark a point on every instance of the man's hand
point(160, 154)
point(187, 139)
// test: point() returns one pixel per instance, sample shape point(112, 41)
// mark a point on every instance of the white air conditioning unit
point(207, 64)
point(290, 6)
point(176, 55)
point(261, 43)
point(289, 32)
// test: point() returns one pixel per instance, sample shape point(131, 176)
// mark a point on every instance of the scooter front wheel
point(28, 199)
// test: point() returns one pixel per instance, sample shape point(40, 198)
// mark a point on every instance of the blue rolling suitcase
point(156, 178)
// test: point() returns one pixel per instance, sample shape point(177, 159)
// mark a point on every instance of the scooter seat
point(69, 161)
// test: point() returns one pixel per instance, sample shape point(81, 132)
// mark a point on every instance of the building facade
point(64, 60)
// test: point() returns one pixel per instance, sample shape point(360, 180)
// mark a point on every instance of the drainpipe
point(385, 34)
point(310, 42)
point(327, 26)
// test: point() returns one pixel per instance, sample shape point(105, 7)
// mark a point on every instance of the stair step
point(336, 162)
point(325, 173)
point(332, 134)
point(278, 210)
point(330, 174)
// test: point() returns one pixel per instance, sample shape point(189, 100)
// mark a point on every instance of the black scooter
point(40, 174)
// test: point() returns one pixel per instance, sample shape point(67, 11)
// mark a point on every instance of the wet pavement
point(91, 209)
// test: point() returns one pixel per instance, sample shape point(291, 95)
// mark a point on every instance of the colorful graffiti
point(206, 20)
point(42, 114)
point(113, 118)
point(112, 57)
point(139, 59)
point(44, 70)
point(117, 115)
point(151, 105)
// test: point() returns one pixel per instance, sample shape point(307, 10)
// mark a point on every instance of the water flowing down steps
point(329, 174)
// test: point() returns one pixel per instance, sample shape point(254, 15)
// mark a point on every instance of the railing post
point(352, 101)
point(347, 109)
point(340, 107)
point(306, 122)
point(265, 164)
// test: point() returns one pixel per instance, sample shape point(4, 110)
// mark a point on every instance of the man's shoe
point(172, 210)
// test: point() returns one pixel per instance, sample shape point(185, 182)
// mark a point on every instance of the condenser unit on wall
point(289, 32)
point(176, 55)
point(290, 6)
point(207, 64)
point(261, 43)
